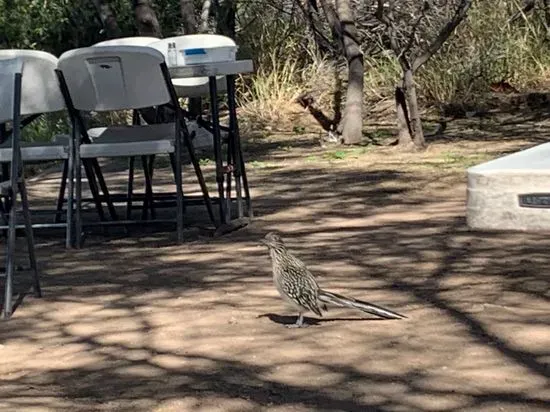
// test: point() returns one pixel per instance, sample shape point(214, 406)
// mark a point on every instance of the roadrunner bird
point(298, 287)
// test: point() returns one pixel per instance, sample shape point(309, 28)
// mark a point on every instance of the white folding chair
point(147, 161)
point(201, 137)
point(119, 78)
point(11, 91)
point(40, 94)
point(128, 41)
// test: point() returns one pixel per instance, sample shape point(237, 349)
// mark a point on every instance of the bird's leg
point(299, 322)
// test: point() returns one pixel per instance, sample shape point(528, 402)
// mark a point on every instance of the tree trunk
point(352, 124)
point(225, 17)
point(404, 133)
point(409, 123)
point(547, 16)
point(187, 8)
point(205, 14)
point(146, 19)
point(108, 19)
point(311, 14)
point(414, 112)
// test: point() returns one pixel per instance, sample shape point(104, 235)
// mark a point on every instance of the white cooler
point(511, 192)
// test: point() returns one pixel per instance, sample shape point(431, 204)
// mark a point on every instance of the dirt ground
point(141, 324)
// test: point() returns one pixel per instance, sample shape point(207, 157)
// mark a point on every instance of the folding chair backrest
point(40, 87)
point(9, 67)
point(128, 41)
point(105, 78)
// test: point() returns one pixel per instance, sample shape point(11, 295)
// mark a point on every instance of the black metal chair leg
point(62, 188)
point(78, 198)
point(245, 185)
point(5, 166)
point(10, 260)
point(3, 212)
point(30, 239)
point(200, 178)
point(69, 229)
point(173, 166)
point(173, 163)
point(5, 172)
point(130, 192)
point(93, 188)
point(15, 173)
point(179, 186)
point(103, 186)
point(148, 201)
point(151, 165)
point(151, 169)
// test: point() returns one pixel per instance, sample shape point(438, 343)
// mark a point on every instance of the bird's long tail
point(339, 300)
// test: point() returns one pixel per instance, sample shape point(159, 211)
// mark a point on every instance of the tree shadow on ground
point(139, 323)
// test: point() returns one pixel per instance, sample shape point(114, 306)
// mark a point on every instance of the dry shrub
point(269, 97)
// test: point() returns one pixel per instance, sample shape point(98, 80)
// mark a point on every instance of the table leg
point(234, 136)
point(178, 179)
point(217, 145)
point(77, 165)
point(230, 162)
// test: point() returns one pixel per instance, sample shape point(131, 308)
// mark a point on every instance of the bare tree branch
point(391, 32)
point(333, 21)
point(310, 12)
point(205, 13)
point(380, 13)
point(528, 5)
point(546, 4)
point(415, 31)
point(444, 34)
point(412, 36)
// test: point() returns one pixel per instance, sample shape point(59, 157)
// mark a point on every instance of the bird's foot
point(299, 322)
point(295, 325)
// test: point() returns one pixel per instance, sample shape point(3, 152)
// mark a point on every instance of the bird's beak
point(263, 242)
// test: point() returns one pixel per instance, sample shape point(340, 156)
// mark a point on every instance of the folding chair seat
point(36, 151)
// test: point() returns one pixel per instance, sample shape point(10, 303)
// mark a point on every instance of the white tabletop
point(212, 69)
